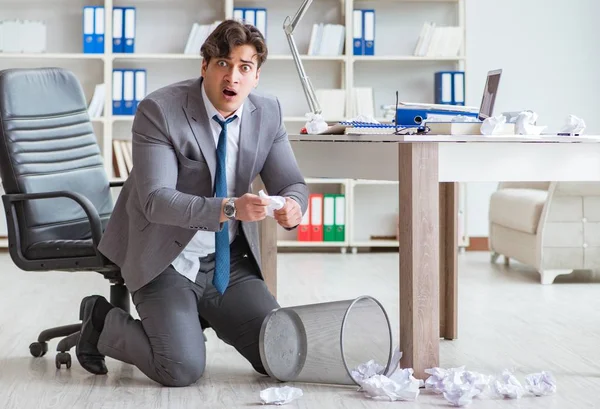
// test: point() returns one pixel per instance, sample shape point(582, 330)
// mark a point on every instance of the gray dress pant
point(167, 343)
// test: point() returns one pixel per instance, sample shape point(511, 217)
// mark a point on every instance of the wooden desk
point(427, 168)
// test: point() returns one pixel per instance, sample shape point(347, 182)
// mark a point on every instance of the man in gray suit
point(184, 228)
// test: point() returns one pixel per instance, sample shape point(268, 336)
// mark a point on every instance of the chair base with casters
point(550, 226)
point(119, 297)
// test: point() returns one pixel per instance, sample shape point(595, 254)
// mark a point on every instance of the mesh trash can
point(323, 343)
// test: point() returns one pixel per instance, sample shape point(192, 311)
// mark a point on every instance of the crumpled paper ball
point(275, 202)
point(279, 396)
point(402, 385)
point(573, 125)
point(541, 383)
point(315, 124)
point(457, 385)
point(507, 386)
point(525, 124)
point(493, 125)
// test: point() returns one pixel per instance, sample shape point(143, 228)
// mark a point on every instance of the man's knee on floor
point(180, 373)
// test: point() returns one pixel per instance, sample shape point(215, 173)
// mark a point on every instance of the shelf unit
point(162, 30)
point(371, 207)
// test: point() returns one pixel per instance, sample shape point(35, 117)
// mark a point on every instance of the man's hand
point(289, 215)
point(250, 208)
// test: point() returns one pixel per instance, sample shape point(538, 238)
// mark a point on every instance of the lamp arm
point(288, 26)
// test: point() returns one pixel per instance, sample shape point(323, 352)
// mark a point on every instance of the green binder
point(329, 232)
point(340, 218)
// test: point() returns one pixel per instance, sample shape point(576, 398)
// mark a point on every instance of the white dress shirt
point(203, 242)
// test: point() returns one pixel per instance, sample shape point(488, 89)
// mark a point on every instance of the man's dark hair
point(232, 33)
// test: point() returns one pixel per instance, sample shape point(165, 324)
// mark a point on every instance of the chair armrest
point(524, 185)
point(84, 202)
point(116, 183)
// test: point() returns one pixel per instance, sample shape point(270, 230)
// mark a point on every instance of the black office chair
point(58, 197)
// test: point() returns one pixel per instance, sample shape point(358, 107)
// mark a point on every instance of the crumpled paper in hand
point(507, 386)
point(493, 125)
point(525, 124)
point(458, 386)
point(573, 125)
point(315, 124)
point(540, 384)
point(279, 396)
point(275, 202)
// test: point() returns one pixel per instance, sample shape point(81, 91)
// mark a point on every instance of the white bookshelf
point(371, 211)
point(162, 29)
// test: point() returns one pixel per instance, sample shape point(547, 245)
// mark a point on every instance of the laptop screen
point(489, 94)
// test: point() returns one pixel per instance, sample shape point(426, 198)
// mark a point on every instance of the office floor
point(506, 320)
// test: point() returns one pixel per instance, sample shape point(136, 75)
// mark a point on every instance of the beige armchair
point(551, 226)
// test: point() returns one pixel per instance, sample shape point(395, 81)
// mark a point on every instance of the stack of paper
point(327, 39)
point(333, 103)
point(96, 106)
point(22, 36)
point(438, 41)
point(198, 35)
point(362, 102)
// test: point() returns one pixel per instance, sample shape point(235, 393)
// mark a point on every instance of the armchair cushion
point(518, 209)
point(60, 249)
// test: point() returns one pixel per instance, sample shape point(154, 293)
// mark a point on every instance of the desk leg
point(448, 260)
point(268, 246)
point(419, 256)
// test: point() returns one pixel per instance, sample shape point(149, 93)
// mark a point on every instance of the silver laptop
point(490, 91)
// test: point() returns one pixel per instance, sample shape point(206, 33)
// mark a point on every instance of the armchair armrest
point(84, 202)
point(524, 185)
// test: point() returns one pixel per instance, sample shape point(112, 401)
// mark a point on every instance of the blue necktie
point(221, 277)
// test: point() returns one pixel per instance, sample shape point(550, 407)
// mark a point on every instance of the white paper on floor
point(402, 385)
point(541, 384)
point(279, 396)
point(394, 384)
point(507, 386)
point(460, 386)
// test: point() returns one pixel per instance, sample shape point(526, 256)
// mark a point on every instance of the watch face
point(229, 209)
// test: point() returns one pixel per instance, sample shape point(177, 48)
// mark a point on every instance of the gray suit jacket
point(169, 193)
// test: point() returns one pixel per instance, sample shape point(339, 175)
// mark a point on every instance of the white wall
point(551, 64)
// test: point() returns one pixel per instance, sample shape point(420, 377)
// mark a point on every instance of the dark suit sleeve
point(156, 169)
point(280, 173)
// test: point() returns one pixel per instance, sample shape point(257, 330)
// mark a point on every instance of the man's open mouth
point(229, 92)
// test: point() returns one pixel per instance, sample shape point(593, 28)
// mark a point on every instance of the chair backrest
point(47, 143)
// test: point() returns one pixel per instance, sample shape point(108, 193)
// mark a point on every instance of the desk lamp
point(288, 27)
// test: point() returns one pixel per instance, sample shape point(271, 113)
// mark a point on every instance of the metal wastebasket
point(324, 343)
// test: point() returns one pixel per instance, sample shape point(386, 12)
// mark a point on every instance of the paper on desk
point(464, 118)
point(573, 125)
point(279, 396)
point(541, 383)
point(525, 124)
point(507, 386)
point(315, 124)
point(493, 125)
point(276, 202)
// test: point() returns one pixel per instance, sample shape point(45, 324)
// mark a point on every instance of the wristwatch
point(229, 208)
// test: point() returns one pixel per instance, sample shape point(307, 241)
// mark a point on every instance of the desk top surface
point(446, 138)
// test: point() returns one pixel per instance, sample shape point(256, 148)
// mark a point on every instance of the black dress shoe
point(87, 346)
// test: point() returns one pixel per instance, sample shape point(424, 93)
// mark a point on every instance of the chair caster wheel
point(38, 349)
point(63, 358)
